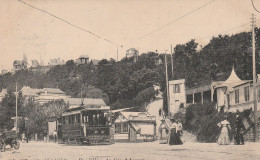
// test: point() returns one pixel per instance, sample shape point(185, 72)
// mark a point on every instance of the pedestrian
point(23, 137)
point(239, 127)
point(27, 135)
point(173, 134)
point(179, 132)
point(54, 134)
point(223, 138)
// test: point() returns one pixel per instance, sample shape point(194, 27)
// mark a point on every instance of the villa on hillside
point(83, 59)
point(43, 95)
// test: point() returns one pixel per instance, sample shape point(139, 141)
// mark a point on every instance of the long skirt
point(173, 137)
point(223, 138)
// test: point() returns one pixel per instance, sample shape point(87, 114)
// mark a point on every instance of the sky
point(147, 25)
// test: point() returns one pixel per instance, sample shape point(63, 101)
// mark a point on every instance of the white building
point(236, 94)
point(134, 127)
point(177, 95)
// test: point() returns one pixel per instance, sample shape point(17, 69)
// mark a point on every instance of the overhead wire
point(156, 30)
point(69, 23)
point(254, 6)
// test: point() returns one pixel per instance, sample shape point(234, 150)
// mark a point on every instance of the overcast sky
point(25, 30)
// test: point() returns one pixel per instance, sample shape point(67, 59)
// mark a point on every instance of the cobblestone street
point(133, 151)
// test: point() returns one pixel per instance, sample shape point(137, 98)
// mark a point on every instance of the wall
point(176, 98)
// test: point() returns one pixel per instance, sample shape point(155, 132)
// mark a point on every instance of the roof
point(28, 91)
point(232, 81)
point(84, 56)
point(53, 90)
point(3, 93)
point(139, 116)
point(86, 101)
point(127, 114)
point(136, 127)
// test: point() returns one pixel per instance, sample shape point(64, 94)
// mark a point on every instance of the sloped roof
point(84, 56)
point(136, 127)
point(86, 101)
point(127, 114)
point(28, 91)
point(232, 81)
point(53, 90)
point(3, 93)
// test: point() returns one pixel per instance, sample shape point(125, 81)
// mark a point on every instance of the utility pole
point(16, 118)
point(172, 60)
point(254, 78)
point(167, 84)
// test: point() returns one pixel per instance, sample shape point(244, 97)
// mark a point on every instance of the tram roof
point(78, 109)
point(86, 102)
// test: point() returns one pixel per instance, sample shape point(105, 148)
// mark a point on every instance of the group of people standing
point(224, 136)
point(175, 133)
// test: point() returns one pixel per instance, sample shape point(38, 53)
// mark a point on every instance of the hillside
point(128, 83)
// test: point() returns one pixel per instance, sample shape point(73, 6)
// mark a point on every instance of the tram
point(87, 124)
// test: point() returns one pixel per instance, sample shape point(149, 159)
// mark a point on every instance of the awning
point(70, 113)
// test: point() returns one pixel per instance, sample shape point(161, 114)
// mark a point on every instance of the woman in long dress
point(173, 134)
point(223, 138)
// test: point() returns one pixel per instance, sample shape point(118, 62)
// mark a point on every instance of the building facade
point(134, 127)
point(177, 95)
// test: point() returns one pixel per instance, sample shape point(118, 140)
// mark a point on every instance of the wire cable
point(254, 6)
point(171, 22)
point(69, 23)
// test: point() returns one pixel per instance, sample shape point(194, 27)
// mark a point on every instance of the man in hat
point(239, 127)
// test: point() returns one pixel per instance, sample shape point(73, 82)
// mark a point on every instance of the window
point(117, 128)
point(246, 91)
point(176, 88)
point(228, 99)
point(237, 96)
point(125, 127)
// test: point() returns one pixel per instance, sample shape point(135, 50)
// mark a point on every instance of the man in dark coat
point(239, 127)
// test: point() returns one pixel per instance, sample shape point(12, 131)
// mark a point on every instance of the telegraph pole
point(254, 78)
point(172, 60)
point(167, 83)
point(16, 118)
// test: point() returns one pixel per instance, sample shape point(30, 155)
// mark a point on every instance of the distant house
point(132, 52)
point(46, 95)
point(29, 93)
point(94, 62)
point(4, 71)
point(35, 64)
point(41, 69)
point(83, 59)
point(55, 62)
point(134, 127)
point(43, 95)
point(2, 94)
point(18, 65)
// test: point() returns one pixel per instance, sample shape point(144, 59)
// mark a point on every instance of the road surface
point(133, 151)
